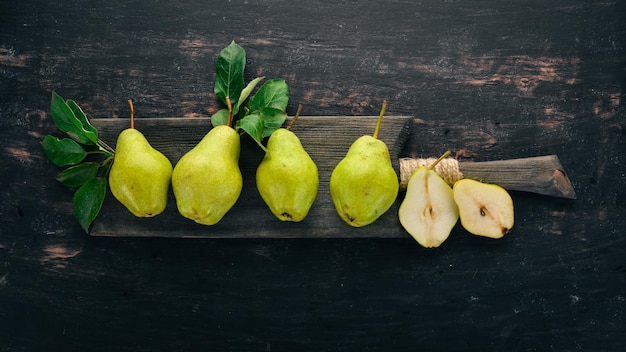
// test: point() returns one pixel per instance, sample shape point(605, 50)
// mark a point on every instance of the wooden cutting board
point(326, 139)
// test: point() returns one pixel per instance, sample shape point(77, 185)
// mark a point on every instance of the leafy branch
point(258, 115)
point(88, 177)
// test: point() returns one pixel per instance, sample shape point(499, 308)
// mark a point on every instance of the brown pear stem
point(380, 119)
point(443, 156)
point(230, 111)
point(295, 117)
point(132, 114)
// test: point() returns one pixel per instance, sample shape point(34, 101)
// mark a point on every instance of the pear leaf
point(64, 151)
point(78, 175)
point(245, 93)
point(271, 120)
point(80, 115)
point(88, 200)
point(83, 141)
point(66, 121)
point(273, 94)
point(252, 124)
point(219, 118)
point(259, 115)
point(229, 81)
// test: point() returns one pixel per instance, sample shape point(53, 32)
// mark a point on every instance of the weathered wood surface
point(491, 80)
point(326, 139)
point(539, 174)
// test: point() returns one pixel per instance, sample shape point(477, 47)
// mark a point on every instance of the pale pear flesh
point(485, 209)
point(364, 185)
point(140, 175)
point(207, 180)
point(287, 178)
point(428, 212)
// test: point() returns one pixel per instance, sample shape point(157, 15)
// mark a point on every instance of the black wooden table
point(489, 80)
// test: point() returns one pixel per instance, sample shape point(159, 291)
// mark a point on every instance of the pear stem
point(445, 155)
point(132, 114)
point(230, 111)
point(295, 117)
point(380, 118)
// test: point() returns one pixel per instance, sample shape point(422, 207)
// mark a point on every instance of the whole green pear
point(140, 175)
point(364, 184)
point(287, 178)
point(207, 181)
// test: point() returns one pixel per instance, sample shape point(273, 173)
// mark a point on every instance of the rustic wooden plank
point(541, 174)
point(326, 139)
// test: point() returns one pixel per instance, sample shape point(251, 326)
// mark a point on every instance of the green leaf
point(64, 151)
point(66, 121)
point(80, 115)
point(219, 118)
point(88, 200)
point(273, 94)
point(245, 93)
point(253, 125)
point(78, 175)
point(229, 81)
point(272, 119)
point(262, 124)
point(105, 149)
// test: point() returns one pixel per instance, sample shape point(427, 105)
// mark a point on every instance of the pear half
point(485, 209)
point(428, 211)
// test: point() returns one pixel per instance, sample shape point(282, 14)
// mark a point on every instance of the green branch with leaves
point(258, 115)
point(89, 177)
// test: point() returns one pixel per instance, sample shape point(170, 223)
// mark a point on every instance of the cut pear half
point(485, 209)
point(428, 211)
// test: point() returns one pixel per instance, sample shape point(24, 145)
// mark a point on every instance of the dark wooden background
point(488, 79)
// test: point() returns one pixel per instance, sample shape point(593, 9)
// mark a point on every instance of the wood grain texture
point(326, 139)
point(489, 80)
point(541, 175)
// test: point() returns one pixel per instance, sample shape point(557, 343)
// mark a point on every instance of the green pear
point(207, 181)
point(140, 175)
point(364, 184)
point(428, 211)
point(287, 178)
point(485, 209)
